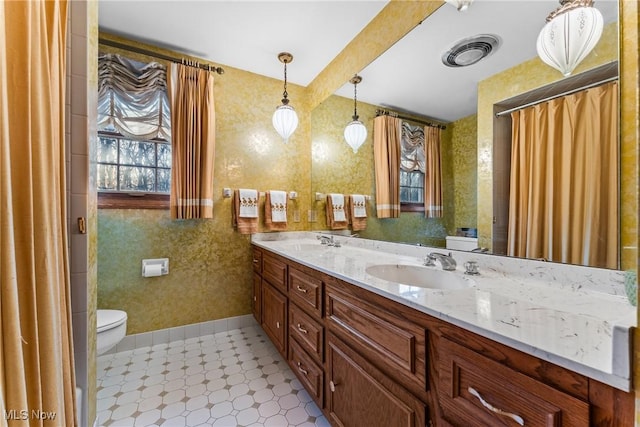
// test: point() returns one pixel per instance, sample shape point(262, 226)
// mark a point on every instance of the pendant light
point(285, 119)
point(355, 133)
point(571, 32)
point(461, 5)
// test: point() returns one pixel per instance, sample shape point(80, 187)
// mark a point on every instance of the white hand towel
point(359, 207)
point(337, 202)
point(248, 203)
point(278, 206)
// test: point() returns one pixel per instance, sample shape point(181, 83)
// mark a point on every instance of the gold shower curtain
point(193, 141)
point(386, 153)
point(564, 181)
point(433, 173)
point(36, 348)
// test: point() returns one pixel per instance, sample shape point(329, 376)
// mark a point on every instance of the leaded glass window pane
point(164, 180)
point(107, 150)
point(107, 177)
point(164, 155)
point(140, 153)
point(135, 178)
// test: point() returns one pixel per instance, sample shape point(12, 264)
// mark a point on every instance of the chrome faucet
point(328, 240)
point(446, 261)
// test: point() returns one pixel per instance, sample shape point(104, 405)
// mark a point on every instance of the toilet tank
point(460, 243)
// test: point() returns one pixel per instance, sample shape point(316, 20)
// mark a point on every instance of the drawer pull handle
point(301, 369)
point(255, 261)
point(301, 329)
point(303, 290)
point(332, 386)
point(278, 325)
point(492, 408)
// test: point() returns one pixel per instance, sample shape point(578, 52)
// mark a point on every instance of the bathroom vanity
point(507, 347)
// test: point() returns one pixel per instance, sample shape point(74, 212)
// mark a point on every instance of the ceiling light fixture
point(470, 50)
point(461, 5)
point(571, 32)
point(355, 133)
point(285, 119)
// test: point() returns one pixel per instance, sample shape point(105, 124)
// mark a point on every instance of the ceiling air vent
point(470, 50)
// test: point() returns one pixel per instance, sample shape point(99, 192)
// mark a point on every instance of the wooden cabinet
point(369, 361)
point(256, 298)
point(274, 316)
point(394, 344)
point(479, 391)
point(361, 395)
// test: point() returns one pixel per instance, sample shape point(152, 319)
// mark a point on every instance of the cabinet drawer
point(395, 345)
point(257, 260)
point(308, 332)
point(275, 272)
point(478, 391)
point(306, 291)
point(309, 373)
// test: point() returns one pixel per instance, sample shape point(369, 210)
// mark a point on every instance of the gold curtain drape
point(386, 153)
point(564, 181)
point(192, 140)
point(433, 173)
point(36, 347)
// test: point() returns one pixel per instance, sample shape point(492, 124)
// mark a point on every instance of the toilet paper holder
point(150, 267)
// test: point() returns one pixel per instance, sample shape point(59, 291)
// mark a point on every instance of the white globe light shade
point(569, 37)
point(285, 121)
point(461, 5)
point(355, 134)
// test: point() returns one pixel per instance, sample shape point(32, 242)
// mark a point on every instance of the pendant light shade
point(571, 32)
point(355, 133)
point(285, 119)
point(461, 5)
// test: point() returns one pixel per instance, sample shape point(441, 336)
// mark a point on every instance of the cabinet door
point(274, 316)
point(360, 395)
point(256, 303)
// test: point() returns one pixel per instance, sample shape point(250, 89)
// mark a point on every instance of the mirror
point(465, 100)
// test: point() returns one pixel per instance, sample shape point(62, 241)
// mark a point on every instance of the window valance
point(132, 98)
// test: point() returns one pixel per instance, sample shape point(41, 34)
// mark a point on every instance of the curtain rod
point(183, 61)
point(569, 92)
point(394, 114)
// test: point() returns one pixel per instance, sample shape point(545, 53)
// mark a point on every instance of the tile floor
point(233, 378)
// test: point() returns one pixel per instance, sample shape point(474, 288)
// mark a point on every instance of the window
point(133, 165)
point(134, 149)
point(412, 168)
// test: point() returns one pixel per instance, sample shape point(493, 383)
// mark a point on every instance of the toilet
point(460, 243)
point(112, 327)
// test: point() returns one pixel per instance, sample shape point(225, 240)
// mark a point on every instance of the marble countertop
point(575, 317)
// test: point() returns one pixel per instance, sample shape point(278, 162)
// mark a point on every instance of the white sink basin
point(415, 275)
point(307, 247)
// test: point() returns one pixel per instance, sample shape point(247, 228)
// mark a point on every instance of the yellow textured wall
point(523, 78)
point(464, 143)
point(336, 169)
point(209, 278)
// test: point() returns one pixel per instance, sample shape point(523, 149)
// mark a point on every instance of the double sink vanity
point(379, 338)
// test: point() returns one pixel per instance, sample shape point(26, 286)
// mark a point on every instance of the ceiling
point(409, 77)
